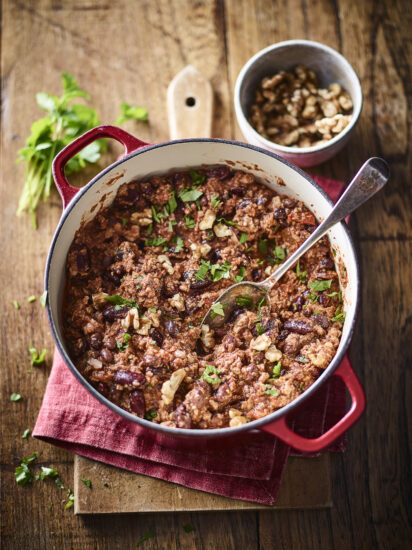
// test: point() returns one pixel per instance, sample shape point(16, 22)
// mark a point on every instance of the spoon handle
point(369, 180)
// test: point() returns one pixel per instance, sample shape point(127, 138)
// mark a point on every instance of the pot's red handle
point(282, 430)
point(66, 191)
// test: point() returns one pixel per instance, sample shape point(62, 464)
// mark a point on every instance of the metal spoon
point(369, 180)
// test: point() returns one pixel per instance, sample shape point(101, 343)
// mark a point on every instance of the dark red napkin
point(70, 417)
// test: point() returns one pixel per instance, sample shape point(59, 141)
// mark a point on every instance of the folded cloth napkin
point(70, 417)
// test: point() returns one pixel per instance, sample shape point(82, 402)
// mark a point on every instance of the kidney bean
point(223, 394)
point(229, 342)
point(127, 378)
point(107, 260)
point(328, 263)
point(157, 336)
point(83, 259)
point(111, 313)
point(182, 417)
point(244, 203)
point(80, 347)
point(103, 389)
point(107, 355)
point(110, 342)
point(152, 361)
point(237, 191)
point(299, 303)
point(280, 214)
point(321, 320)
point(172, 328)
point(196, 285)
point(169, 289)
point(114, 279)
point(283, 335)
point(234, 315)
point(256, 274)
point(324, 300)
point(262, 200)
point(96, 340)
point(220, 172)
point(310, 228)
point(214, 255)
point(300, 327)
point(289, 203)
point(137, 402)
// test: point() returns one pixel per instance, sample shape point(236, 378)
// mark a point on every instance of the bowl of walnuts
point(299, 99)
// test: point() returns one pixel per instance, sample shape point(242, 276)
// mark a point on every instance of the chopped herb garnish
point(263, 246)
point(339, 315)
point(70, 496)
point(172, 203)
point(15, 397)
point(26, 433)
point(313, 297)
point(187, 528)
point(122, 346)
point(243, 238)
point(59, 483)
point(43, 299)
point(210, 369)
point(105, 484)
point(219, 272)
point(157, 216)
point(124, 221)
point(203, 270)
point(22, 473)
point(87, 482)
point(31, 299)
point(179, 245)
point(227, 222)
point(171, 224)
point(132, 112)
point(197, 178)
point(37, 359)
point(119, 301)
point(280, 254)
point(16, 304)
point(215, 201)
point(271, 391)
point(217, 309)
point(190, 195)
point(51, 506)
point(301, 275)
point(339, 294)
point(156, 241)
point(276, 369)
point(127, 337)
point(148, 535)
point(48, 472)
point(260, 329)
point(319, 286)
point(149, 229)
point(150, 415)
point(245, 301)
point(189, 222)
point(242, 272)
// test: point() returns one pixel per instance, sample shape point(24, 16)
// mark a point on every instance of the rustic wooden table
point(130, 50)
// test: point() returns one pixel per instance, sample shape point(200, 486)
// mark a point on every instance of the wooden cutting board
point(306, 484)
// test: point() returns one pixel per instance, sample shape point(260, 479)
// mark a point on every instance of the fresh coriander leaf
point(215, 201)
point(51, 506)
point(48, 472)
point(339, 315)
point(260, 329)
point(271, 391)
point(16, 304)
point(43, 299)
point(179, 245)
point(149, 229)
point(172, 203)
point(190, 195)
point(301, 275)
point(319, 286)
point(203, 270)
point(37, 359)
point(148, 535)
point(124, 221)
point(339, 294)
point(59, 483)
point(276, 369)
point(119, 301)
point(263, 246)
point(217, 309)
point(87, 482)
point(31, 299)
point(189, 222)
point(242, 272)
point(29, 459)
point(245, 301)
point(210, 369)
point(70, 496)
point(127, 337)
point(26, 433)
point(156, 241)
point(15, 397)
point(313, 297)
point(132, 112)
point(279, 253)
point(171, 224)
point(227, 222)
point(22, 473)
point(150, 415)
point(243, 238)
point(219, 272)
point(105, 484)
point(197, 178)
point(157, 216)
point(187, 528)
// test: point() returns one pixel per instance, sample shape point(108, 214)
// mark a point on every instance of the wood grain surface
point(129, 51)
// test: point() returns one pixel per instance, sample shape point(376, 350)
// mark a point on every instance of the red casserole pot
point(142, 160)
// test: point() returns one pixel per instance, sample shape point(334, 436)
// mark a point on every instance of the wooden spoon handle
point(189, 105)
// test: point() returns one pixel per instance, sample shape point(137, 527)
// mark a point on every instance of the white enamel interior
point(182, 155)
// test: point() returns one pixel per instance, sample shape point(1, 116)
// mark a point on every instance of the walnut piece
point(143, 218)
point(171, 386)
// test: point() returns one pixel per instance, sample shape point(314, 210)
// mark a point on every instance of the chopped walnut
point(177, 302)
point(273, 354)
point(132, 318)
point(261, 343)
point(143, 218)
point(237, 421)
point(222, 230)
point(200, 250)
point(144, 326)
point(206, 337)
point(99, 299)
point(289, 105)
point(95, 363)
point(208, 220)
point(171, 386)
point(166, 263)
